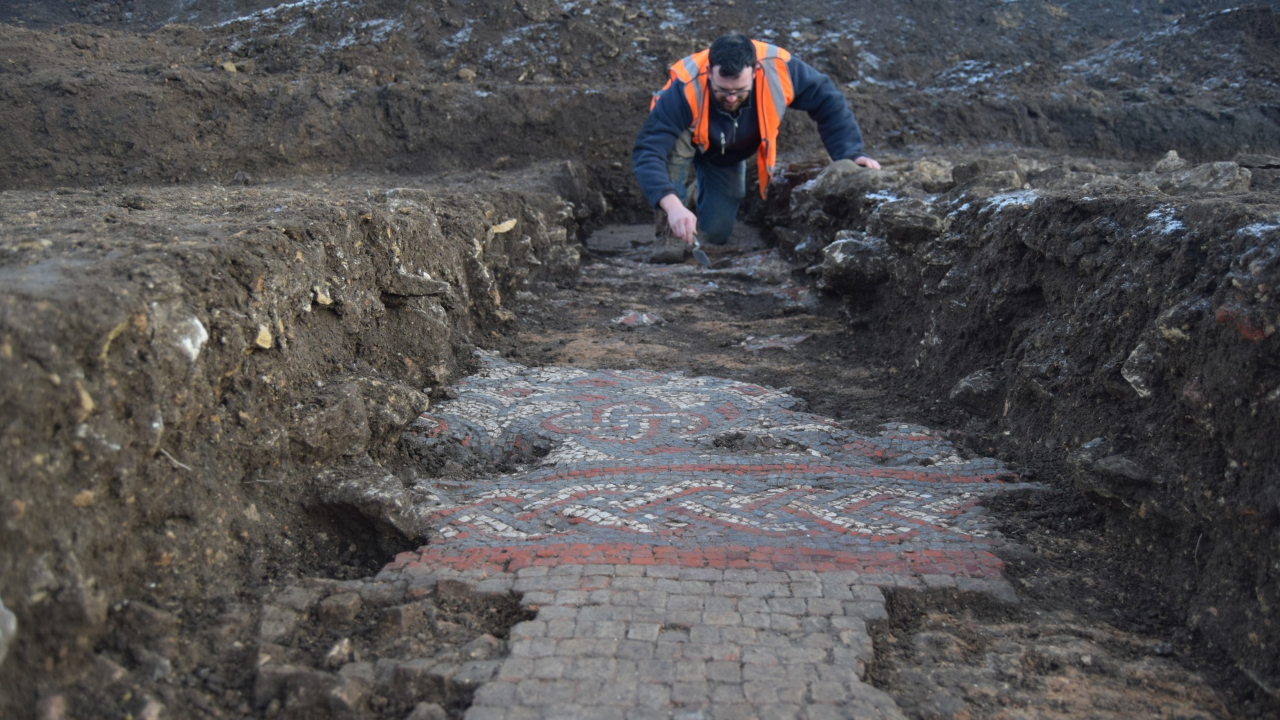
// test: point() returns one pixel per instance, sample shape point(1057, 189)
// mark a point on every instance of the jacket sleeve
point(669, 117)
point(818, 96)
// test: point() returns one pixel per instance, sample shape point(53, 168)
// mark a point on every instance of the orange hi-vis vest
point(773, 92)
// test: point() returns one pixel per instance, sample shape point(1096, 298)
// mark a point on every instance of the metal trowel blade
point(700, 256)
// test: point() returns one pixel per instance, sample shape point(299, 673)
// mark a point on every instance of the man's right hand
point(682, 221)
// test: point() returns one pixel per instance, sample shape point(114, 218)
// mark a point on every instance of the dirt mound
point(431, 87)
point(1136, 98)
point(949, 655)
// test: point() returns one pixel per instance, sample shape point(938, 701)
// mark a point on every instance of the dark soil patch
point(947, 654)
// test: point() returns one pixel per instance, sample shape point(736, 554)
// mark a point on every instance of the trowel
point(700, 255)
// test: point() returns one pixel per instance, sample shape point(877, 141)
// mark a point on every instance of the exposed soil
point(948, 654)
point(200, 384)
point(437, 86)
point(239, 255)
point(1050, 339)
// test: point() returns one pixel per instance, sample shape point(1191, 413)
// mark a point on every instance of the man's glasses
point(724, 94)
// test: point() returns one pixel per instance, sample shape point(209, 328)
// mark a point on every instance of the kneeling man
point(720, 106)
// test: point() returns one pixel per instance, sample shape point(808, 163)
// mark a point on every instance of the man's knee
point(717, 227)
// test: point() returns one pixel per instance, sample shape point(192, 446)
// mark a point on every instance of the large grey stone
point(276, 624)
point(978, 392)
point(1140, 369)
point(1169, 163)
point(934, 174)
point(842, 194)
point(1258, 161)
point(389, 408)
point(374, 493)
point(1101, 471)
point(907, 223)
point(334, 424)
point(405, 285)
point(278, 682)
point(1218, 177)
point(996, 172)
point(856, 262)
point(339, 609)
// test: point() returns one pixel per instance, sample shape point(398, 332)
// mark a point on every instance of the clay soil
point(242, 246)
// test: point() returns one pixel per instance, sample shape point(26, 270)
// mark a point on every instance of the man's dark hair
point(732, 52)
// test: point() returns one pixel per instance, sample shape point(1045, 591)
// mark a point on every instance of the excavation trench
point(218, 499)
point(240, 432)
point(231, 370)
point(1056, 313)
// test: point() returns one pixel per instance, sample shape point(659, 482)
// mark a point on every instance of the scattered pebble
point(8, 629)
point(754, 344)
point(637, 318)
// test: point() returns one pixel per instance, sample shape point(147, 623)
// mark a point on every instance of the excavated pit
point(237, 260)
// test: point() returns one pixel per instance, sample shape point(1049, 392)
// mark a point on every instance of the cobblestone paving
point(694, 547)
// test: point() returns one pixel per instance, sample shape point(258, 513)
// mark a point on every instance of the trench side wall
point(1132, 338)
point(171, 384)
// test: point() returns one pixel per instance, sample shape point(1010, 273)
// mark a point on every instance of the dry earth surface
point(244, 245)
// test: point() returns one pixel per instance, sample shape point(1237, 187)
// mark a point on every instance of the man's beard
point(736, 108)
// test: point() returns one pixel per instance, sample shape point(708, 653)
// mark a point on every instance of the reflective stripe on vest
point(773, 91)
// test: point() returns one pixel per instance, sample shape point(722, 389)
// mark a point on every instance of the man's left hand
point(867, 162)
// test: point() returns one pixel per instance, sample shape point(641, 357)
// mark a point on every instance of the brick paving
point(693, 547)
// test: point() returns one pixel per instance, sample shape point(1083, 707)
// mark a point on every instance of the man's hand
point(867, 162)
point(683, 223)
